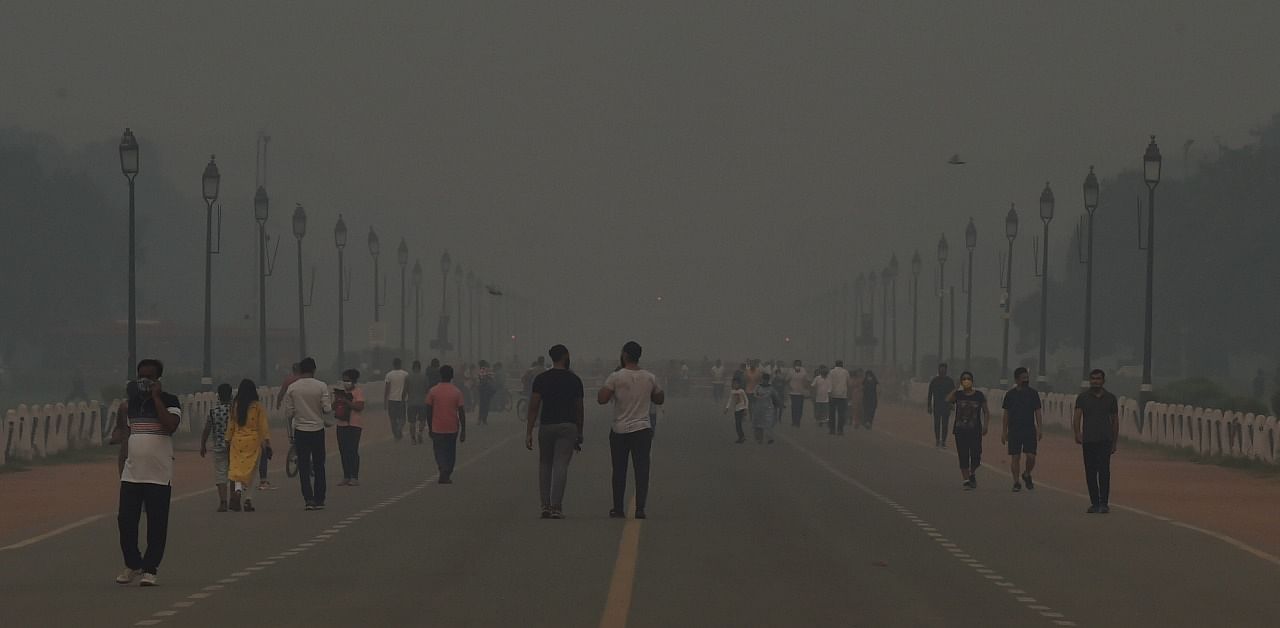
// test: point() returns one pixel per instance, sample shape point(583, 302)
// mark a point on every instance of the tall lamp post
point(261, 205)
point(971, 243)
point(1151, 163)
point(1090, 206)
point(916, 266)
point(129, 166)
point(893, 309)
point(1010, 233)
point(446, 264)
point(884, 317)
point(473, 338)
point(340, 241)
point(458, 276)
point(375, 251)
point(299, 232)
point(417, 309)
point(209, 186)
point(871, 311)
point(943, 250)
point(1046, 216)
point(402, 257)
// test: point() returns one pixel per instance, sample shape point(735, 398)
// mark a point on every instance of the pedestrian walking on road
point(764, 410)
point(486, 388)
point(717, 381)
point(1021, 432)
point(555, 403)
point(265, 460)
point(839, 380)
point(307, 407)
point(151, 416)
point(348, 410)
point(415, 401)
point(631, 389)
point(870, 398)
point(940, 388)
point(216, 426)
point(393, 398)
point(447, 416)
point(778, 385)
point(972, 417)
point(1097, 428)
point(797, 388)
point(737, 403)
point(855, 399)
point(247, 435)
point(821, 396)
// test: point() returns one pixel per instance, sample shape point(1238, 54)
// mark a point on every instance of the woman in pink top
point(348, 404)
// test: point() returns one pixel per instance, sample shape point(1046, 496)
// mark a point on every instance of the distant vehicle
point(956, 161)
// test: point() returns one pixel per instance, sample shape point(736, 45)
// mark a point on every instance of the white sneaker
point(149, 580)
point(128, 576)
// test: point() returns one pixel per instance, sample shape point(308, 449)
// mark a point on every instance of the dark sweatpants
point(133, 497)
point(941, 420)
point(1097, 471)
point(797, 409)
point(310, 449)
point(636, 446)
point(969, 447)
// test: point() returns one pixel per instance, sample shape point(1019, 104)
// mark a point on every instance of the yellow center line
point(618, 605)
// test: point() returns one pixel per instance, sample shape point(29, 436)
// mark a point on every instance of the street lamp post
point(1151, 163)
point(1010, 233)
point(473, 337)
point(1090, 206)
point(971, 243)
point(209, 186)
point(299, 232)
point(916, 266)
point(893, 309)
point(1046, 216)
point(129, 167)
point(458, 276)
point(402, 256)
point(884, 317)
point(872, 282)
point(375, 251)
point(261, 205)
point(417, 309)
point(943, 250)
point(340, 241)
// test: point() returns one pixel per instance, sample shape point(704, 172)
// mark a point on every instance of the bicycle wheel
point(291, 463)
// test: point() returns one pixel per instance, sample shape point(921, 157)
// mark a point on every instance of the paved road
point(864, 530)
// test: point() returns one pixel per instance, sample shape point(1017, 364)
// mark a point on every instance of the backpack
point(342, 407)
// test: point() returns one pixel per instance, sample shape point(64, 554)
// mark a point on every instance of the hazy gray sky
point(597, 155)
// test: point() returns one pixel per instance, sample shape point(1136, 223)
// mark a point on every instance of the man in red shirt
point(447, 416)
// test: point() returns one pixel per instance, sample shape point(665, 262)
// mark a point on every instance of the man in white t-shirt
point(149, 418)
point(797, 388)
point(839, 379)
point(717, 382)
point(631, 389)
point(393, 397)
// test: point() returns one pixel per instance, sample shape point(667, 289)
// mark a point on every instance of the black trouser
point(941, 419)
point(445, 447)
point(1097, 471)
point(395, 414)
point(969, 447)
point(133, 497)
point(738, 416)
point(637, 446)
point(839, 415)
point(797, 409)
point(349, 450)
point(262, 465)
point(310, 449)
point(485, 399)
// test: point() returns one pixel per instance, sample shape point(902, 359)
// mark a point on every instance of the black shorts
point(1022, 442)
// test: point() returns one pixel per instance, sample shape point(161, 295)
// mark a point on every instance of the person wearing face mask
point(970, 426)
point(350, 426)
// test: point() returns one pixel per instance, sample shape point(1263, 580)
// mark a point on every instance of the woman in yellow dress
point(247, 434)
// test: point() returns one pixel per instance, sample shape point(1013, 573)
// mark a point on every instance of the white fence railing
point(1206, 431)
point(34, 432)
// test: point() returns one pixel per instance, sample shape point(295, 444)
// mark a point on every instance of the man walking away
point(797, 386)
point(838, 378)
point(393, 398)
point(216, 426)
point(1097, 427)
point(738, 404)
point(447, 416)
point(415, 401)
point(307, 406)
point(1022, 417)
point(151, 417)
point(821, 396)
point(717, 382)
point(556, 397)
point(936, 404)
point(631, 389)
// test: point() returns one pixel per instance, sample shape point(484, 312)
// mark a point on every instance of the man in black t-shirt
point(1022, 433)
point(937, 406)
point(556, 399)
point(1097, 428)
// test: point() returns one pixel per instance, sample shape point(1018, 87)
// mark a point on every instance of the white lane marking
point(183, 604)
point(148, 622)
point(1229, 540)
point(217, 587)
point(198, 596)
point(164, 613)
point(241, 574)
point(989, 574)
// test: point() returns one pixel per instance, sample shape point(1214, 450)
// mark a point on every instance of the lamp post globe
point(211, 180)
point(1151, 164)
point(299, 221)
point(1046, 203)
point(261, 204)
point(970, 235)
point(129, 154)
point(402, 253)
point(1011, 223)
point(1090, 191)
point(375, 245)
point(340, 233)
